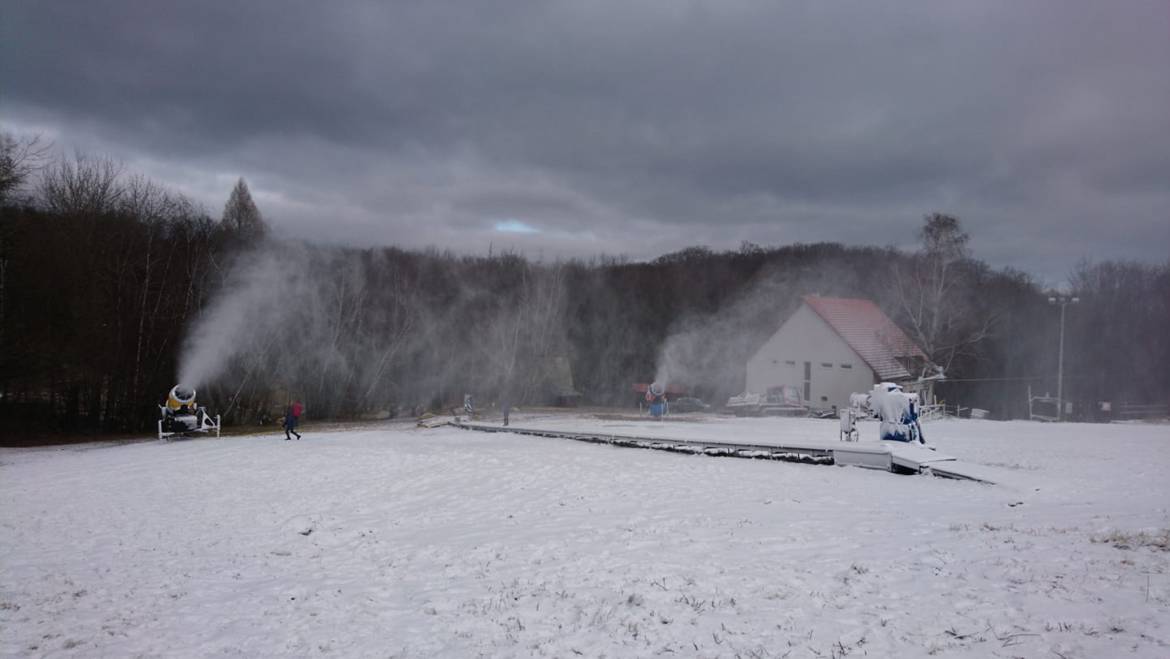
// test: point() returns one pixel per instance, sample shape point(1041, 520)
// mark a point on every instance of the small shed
point(832, 347)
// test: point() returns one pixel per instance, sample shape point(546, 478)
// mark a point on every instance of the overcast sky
point(626, 128)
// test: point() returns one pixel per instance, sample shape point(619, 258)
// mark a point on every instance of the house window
point(827, 364)
point(846, 365)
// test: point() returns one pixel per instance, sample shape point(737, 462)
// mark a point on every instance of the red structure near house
point(672, 391)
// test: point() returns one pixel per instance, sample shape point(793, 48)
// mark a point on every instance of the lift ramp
point(895, 457)
point(904, 458)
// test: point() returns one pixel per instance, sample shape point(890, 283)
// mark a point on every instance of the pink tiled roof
point(869, 332)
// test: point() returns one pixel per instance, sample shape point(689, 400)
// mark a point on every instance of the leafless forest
point(112, 288)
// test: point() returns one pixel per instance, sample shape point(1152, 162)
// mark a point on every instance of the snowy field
point(405, 542)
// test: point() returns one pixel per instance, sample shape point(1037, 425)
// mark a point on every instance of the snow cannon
point(896, 409)
point(656, 396)
point(860, 404)
point(181, 400)
point(181, 415)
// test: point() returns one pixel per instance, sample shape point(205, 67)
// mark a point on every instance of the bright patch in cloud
point(515, 226)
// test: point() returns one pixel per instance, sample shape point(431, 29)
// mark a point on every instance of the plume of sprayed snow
point(364, 329)
point(705, 352)
point(256, 298)
point(711, 352)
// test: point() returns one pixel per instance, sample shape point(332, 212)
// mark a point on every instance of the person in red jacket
point(292, 416)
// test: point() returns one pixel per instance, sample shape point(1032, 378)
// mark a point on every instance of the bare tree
point(153, 207)
point(929, 291)
point(81, 186)
point(19, 158)
point(526, 337)
point(1117, 341)
point(390, 336)
point(149, 202)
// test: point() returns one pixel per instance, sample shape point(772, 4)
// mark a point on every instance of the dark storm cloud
point(632, 128)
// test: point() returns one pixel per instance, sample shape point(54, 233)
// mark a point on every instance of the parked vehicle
point(783, 400)
point(688, 404)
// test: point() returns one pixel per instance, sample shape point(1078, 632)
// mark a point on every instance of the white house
point(832, 347)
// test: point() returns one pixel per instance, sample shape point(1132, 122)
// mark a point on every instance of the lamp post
point(1063, 301)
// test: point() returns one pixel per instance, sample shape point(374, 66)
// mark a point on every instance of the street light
point(1063, 301)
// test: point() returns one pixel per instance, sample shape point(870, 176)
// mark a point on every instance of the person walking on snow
point(292, 415)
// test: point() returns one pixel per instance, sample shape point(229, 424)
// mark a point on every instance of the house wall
point(806, 337)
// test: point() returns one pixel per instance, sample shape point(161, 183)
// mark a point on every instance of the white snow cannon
point(859, 403)
point(182, 415)
point(898, 412)
point(896, 409)
point(859, 408)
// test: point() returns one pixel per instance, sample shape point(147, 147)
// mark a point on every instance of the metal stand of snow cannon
point(206, 424)
point(849, 431)
point(181, 415)
point(201, 421)
point(859, 408)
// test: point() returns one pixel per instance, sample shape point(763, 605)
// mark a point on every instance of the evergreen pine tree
point(240, 214)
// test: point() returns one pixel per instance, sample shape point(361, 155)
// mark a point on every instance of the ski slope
point(405, 542)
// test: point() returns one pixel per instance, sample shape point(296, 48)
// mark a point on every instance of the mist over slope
point(110, 299)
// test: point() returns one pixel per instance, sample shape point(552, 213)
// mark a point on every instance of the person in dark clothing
point(292, 415)
point(506, 406)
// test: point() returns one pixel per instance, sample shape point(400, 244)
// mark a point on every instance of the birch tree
point(930, 292)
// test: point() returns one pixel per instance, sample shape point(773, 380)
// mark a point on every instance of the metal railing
point(1133, 411)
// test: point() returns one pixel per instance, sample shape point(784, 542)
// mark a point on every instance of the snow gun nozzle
point(182, 393)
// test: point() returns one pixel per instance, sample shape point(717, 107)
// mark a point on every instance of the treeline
point(112, 288)
point(99, 273)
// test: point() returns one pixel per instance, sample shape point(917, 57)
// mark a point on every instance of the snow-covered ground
point(396, 541)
